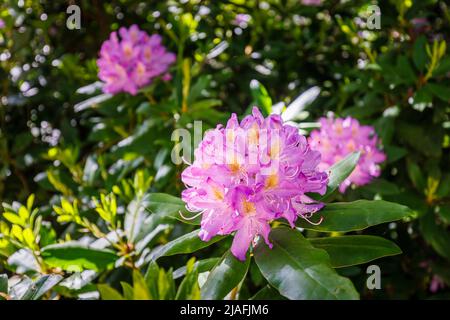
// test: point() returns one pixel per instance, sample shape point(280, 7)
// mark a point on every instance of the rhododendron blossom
point(337, 138)
point(131, 62)
point(247, 174)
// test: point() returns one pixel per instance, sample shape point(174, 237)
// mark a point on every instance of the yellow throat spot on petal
point(351, 146)
point(248, 208)
point(147, 53)
point(234, 167)
point(127, 50)
point(218, 194)
point(271, 181)
point(140, 69)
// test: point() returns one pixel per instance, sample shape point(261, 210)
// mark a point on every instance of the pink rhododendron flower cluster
point(247, 174)
point(131, 62)
point(337, 138)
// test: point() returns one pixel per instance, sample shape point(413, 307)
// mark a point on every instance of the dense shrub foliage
point(97, 204)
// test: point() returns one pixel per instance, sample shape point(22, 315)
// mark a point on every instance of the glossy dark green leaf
point(226, 275)
point(261, 97)
point(439, 90)
point(189, 288)
point(134, 217)
point(187, 243)
point(298, 270)
point(4, 283)
point(268, 293)
point(346, 251)
point(340, 171)
point(444, 213)
point(41, 286)
point(382, 187)
point(356, 215)
point(435, 235)
point(419, 53)
point(200, 265)
point(166, 206)
point(73, 256)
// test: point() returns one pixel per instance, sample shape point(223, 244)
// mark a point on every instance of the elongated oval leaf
point(135, 216)
point(340, 171)
point(299, 104)
point(3, 283)
point(165, 208)
point(226, 275)
point(356, 215)
point(108, 293)
point(41, 286)
point(346, 251)
point(298, 270)
point(435, 235)
point(200, 265)
point(187, 243)
point(73, 256)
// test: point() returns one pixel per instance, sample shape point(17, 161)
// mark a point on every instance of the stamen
point(185, 161)
point(191, 218)
point(313, 223)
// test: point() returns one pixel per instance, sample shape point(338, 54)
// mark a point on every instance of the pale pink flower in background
point(436, 284)
point(242, 20)
point(133, 61)
point(338, 137)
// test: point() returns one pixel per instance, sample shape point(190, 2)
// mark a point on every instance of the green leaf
point(226, 275)
point(151, 279)
point(340, 171)
point(419, 54)
point(435, 235)
point(200, 265)
point(346, 251)
point(381, 186)
point(166, 285)
point(261, 97)
point(187, 243)
point(73, 256)
point(168, 206)
point(440, 91)
point(128, 292)
point(41, 286)
point(108, 293)
point(189, 288)
point(135, 216)
point(92, 102)
point(295, 108)
point(267, 293)
point(444, 213)
point(356, 215)
point(140, 289)
point(4, 283)
point(298, 270)
point(14, 219)
point(416, 175)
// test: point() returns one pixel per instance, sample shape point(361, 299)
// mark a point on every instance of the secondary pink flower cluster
point(133, 61)
point(247, 174)
point(337, 138)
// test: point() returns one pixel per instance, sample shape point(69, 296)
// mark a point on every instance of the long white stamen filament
point(190, 218)
point(313, 223)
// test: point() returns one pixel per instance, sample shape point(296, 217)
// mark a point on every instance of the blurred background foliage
point(89, 157)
